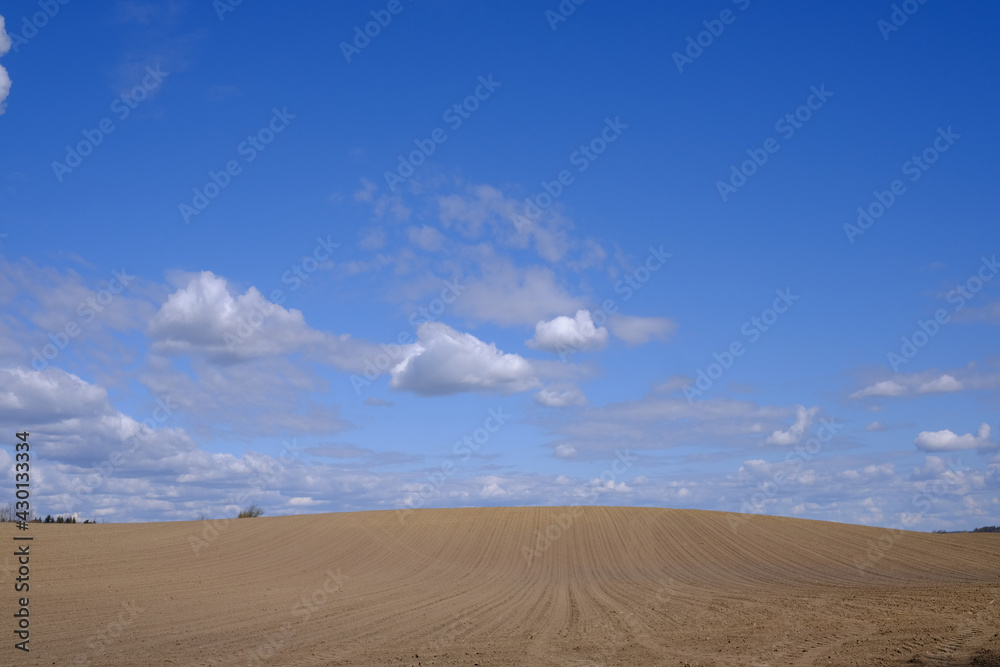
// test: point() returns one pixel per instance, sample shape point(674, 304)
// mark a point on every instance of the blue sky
point(496, 254)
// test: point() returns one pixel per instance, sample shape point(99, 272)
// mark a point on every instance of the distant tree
point(987, 529)
point(250, 511)
point(6, 513)
point(49, 519)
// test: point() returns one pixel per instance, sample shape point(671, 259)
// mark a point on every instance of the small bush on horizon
point(250, 511)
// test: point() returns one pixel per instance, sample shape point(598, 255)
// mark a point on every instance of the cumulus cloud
point(204, 317)
point(73, 420)
point(803, 420)
point(303, 502)
point(50, 395)
point(4, 76)
point(947, 441)
point(641, 330)
point(569, 334)
point(884, 388)
point(444, 361)
point(493, 489)
point(559, 396)
point(565, 451)
point(942, 385)
point(930, 382)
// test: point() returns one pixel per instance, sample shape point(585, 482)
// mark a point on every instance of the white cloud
point(932, 382)
point(367, 191)
point(942, 385)
point(370, 239)
point(947, 441)
point(511, 296)
point(641, 330)
point(470, 213)
point(569, 334)
point(493, 491)
point(598, 485)
point(445, 361)
point(303, 502)
point(426, 238)
point(559, 396)
point(5, 82)
point(204, 317)
point(658, 422)
point(565, 451)
point(49, 395)
point(884, 388)
point(876, 426)
point(485, 209)
point(673, 384)
point(793, 471)
point(803, 420)
point(73, 420)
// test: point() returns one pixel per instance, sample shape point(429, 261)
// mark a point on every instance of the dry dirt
point(614, 586)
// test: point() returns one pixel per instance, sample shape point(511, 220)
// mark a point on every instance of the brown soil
point(608, 586)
